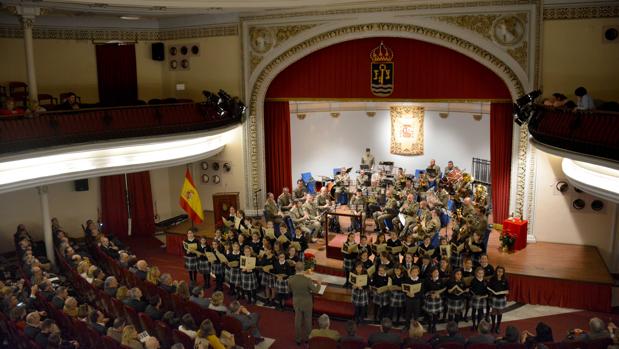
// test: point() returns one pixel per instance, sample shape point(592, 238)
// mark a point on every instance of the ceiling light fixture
point(130, 18)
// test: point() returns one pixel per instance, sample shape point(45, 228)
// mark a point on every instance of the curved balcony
point(53, 129)
point(590, 136)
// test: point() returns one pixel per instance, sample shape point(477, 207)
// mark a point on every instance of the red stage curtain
point(560, 293)
point(113, 205)
point(422, 71)
point(277, 146)
point(117, 74)
point(142, 213)
point(501, 128)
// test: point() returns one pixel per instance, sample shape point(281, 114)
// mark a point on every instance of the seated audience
point(170, 318)
point(597, 330)
point(10, 108)
point(122, 293)
point(70, 103)
point(116, 330)
point(130, 338)
point(584, 101)
point(167, 283)
point(206, 337)
point(141, 269)
point(512, 335)
point(110, 286)
point(453, 335)
point(415, 334)
point(98, 322)
point(154, 308)
point(151, 342)
point(217, 302)
point(153, 275)
point(70, 307)
point(484, 336)
point(323, 329)
point(351, 333)
point(543, 333)
point(188, 326)
point(385, 336)
point(197, 296)
point(61, 295)
point(43, 335)
point(33, 322)
point(182, 290)
point(135, 300)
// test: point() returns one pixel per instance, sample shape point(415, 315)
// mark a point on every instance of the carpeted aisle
point(280, 325)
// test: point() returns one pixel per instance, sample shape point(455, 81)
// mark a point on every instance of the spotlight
point(528, 98)
point(597, 205)
point(562, 186)
point(578, 204)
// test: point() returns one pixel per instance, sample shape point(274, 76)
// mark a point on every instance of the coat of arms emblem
point(382, 69)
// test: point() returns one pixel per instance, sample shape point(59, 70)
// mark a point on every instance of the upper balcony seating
point(87, 125)
point(594, 133)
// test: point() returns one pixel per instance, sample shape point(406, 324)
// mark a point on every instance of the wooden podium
point(518, 228)
point(221, 205)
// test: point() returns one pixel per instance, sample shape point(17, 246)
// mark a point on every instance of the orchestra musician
point(342, 180)
point(313, 217)
point(357, 207)
point(390, 211)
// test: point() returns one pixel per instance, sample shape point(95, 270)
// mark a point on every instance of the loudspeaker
point(157, 51)
point(81, 185)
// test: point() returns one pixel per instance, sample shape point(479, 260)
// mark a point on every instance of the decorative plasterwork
point(582, 12)
point(264, 39)
point(120, 34)
point(493, 26)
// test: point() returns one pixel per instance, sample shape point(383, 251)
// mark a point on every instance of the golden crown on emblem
point(381, 53)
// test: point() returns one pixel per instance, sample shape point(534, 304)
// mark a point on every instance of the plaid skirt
point(455, 260)
point(281, 286)
point(349, 264)
point(360, 297)
point(477, 302)
point(217, 269)
point(455, 306)
point(382, 299)
point(397, 299)
point(233, 276)
point(498, 303)
point(204, 266)
point(433, 305)
point(191, 263)
point(267, 280)
point(249, 281)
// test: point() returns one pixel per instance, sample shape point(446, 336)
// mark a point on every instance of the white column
point(47, 224)
point(27, 23)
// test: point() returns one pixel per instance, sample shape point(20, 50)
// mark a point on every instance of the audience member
point(154, 308)
point(116, 330)
point(110, 286)
point(197, 296)
point(597, 330)
point(351, 332)
point(130, 338)
point(70, 307)
point(43, 335)
point(323, 329)
point(153, 275)
point(512, 335)
point(453, 335)
point(122, 293)
point(217, 302)
point(167, 283)
point(135, 300)
point(206, 337)
point(248, 320)
point(543, 333)
point(385, 336)
point(141, 270)
point(584, 101)
point(98, 321)
point(70, 103)
point(182, 290)
point(484, 336)
point(151, 343)
point(33, 321)
point(188, 326)
point(415, 334)
point(10, 108)
point(170, 318)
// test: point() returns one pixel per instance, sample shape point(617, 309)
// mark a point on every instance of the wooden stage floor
point(541, 259)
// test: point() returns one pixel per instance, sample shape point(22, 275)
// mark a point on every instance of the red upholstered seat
point(574, 345)
point(164, 333)
point(481, 346)
point(148, 324)
point(599, 343)
point(386, 346)
point(133, 317)
point(450, 346)
point(514, 346)
point(180, 337)
point(241, 338)
point(109, 343)
point(322, 343)
point(352, 344)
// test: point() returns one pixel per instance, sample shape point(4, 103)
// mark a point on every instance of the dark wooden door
point(222, 203)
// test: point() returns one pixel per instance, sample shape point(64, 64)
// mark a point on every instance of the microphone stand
point(257, 214)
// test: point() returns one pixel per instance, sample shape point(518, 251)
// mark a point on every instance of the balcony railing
point(593, 133)
point(60, 128)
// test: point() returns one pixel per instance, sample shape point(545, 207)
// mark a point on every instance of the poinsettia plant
point(507, 240)
point(310, 260)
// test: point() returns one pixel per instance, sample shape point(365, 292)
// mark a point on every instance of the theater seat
point(450, 346)
point(481, 346)
point(164, 333)
point(386, 346)
point(352, 344)
point(241, 338)
point(322, 343)
point(180, 337)
point(599, 343)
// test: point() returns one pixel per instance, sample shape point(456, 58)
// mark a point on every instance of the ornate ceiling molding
point(582, 12)
point(264, 39)
point(39, 32)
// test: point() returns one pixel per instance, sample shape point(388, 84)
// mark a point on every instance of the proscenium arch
point(295, 49)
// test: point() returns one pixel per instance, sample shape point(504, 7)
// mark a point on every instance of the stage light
point(528, 98)
point(597, 205)
point(523, 109)
point(562, 186)
point(578, 204)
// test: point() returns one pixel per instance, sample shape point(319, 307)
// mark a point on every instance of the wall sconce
point(443, 115)
point(477, 117)
point(335, 115)
point(370, 113)
point(301, 116)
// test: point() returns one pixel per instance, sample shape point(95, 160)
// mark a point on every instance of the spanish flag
point(190, 200)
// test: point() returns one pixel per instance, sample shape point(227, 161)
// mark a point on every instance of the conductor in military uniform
point(301, 288)
point(367, 158)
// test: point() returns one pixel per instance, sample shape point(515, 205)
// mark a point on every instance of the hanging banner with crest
point(381, 71)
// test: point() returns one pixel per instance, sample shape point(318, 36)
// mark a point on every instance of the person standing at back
point(301, 288)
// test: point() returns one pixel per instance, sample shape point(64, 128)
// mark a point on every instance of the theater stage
point(570, 276)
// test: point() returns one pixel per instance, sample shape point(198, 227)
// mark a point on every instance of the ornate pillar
point(47, 224)
point(27, 20)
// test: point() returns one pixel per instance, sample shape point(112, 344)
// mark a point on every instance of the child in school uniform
point(413, 302)
point(498, 283)
point(381, 300)
point(397, 296)
point(233, 273)
point(349, 258)
point(479, 297)
point(204, 266)
point(455, 300)
point(433, 301)
point(249, 283)
point(282, 269)
point(217, 267)
point(190, 244)
point(360, 296)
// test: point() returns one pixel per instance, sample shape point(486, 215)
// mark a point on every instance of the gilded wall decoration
point(481, 24)
point(583, 12)
point(520, 54)
point(263, 39)
point(406, 130)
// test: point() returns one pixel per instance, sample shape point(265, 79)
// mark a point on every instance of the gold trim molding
point(484, 55)
point(264, 39)
point(39, 32)
point(583, 12)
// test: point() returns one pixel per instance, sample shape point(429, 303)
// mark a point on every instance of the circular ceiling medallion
point(205, 178)
point(204, 165)
point(216, 179)
point(261, 40)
